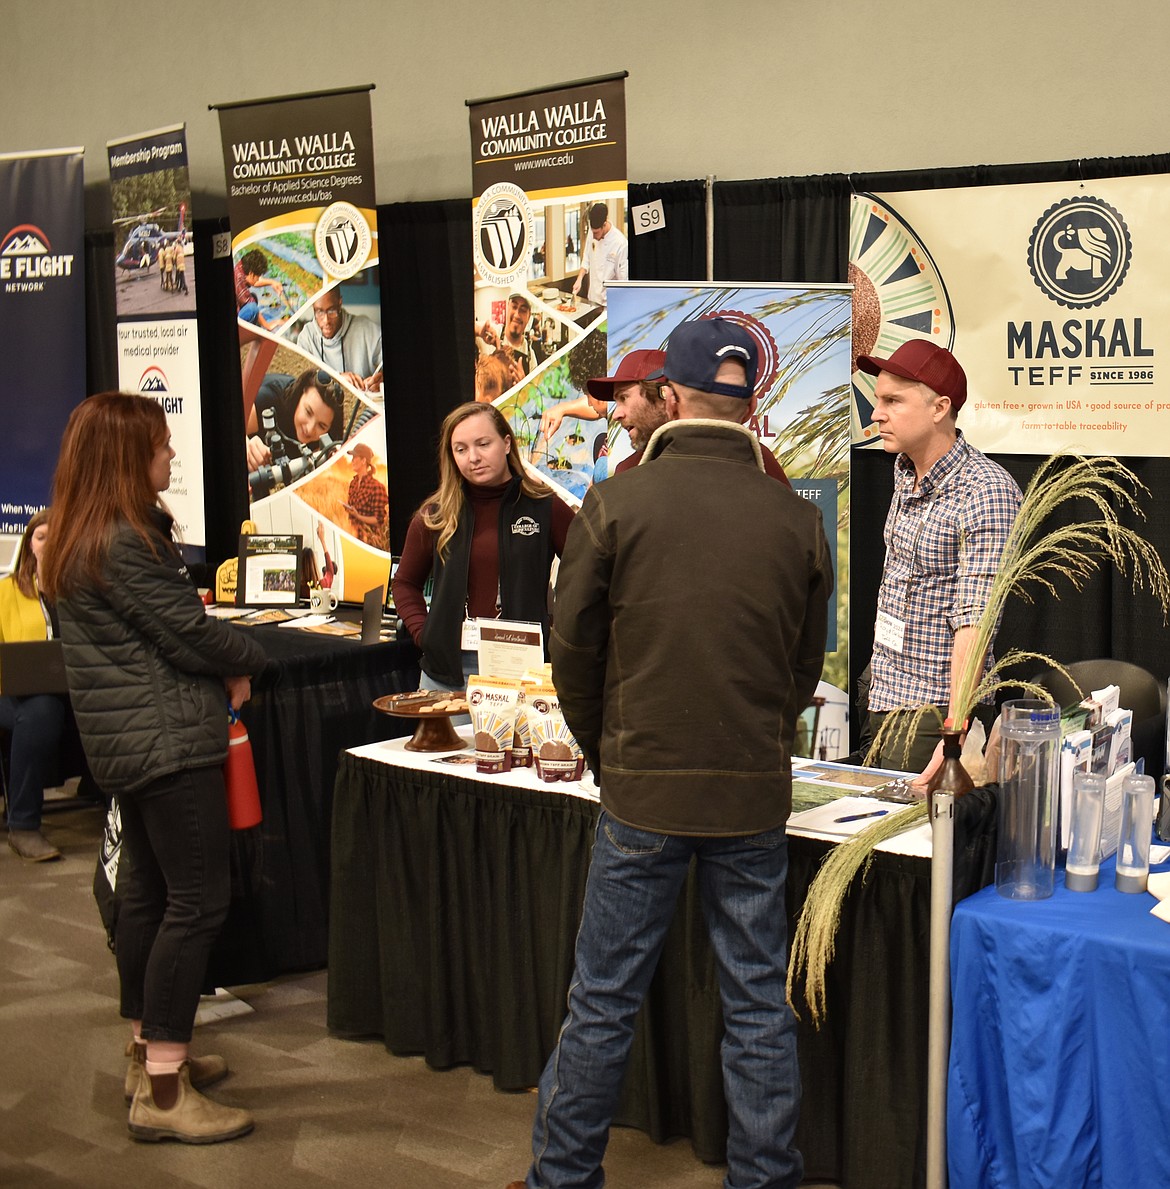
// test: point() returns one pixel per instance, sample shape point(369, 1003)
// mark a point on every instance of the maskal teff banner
point(42, 321)
point(549, 225)
point(154, 287)
point(1050, 295)
point(300, 183)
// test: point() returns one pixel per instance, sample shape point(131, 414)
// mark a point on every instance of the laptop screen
point(9, 546)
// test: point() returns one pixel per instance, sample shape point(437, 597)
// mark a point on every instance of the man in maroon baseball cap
point(637, 402)
point(918, 361)
point(926, 362)
point(948, 521)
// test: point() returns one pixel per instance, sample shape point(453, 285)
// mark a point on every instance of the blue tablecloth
point(1060, 1048)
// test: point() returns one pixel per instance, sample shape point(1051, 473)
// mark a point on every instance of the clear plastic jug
point(1029, 775)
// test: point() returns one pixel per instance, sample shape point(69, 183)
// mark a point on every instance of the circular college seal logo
point(342, 239)
point(1079, 252)
point(504, 231)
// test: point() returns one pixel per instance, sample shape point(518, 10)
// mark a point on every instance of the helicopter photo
point(145, 238)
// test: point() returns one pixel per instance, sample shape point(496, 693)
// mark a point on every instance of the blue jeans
point(35, 724)
point(630, 897)
point(176, 843)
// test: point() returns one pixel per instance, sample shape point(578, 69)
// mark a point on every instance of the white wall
point(741, 89)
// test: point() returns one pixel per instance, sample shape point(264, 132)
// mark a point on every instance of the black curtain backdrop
point(779, 229)
point(678, 252)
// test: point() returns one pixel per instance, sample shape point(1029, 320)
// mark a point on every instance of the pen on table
point(856, 817)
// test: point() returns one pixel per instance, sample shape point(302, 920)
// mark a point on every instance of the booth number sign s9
point(647, 218)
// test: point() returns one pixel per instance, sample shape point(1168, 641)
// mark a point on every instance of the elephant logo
point(1079, 252)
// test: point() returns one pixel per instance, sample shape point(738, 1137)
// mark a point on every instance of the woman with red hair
point(150, 676)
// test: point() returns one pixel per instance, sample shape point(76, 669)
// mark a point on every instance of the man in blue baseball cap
point(677, 714)
point(694, 355)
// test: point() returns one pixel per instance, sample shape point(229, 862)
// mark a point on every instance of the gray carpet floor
point(328, 1112)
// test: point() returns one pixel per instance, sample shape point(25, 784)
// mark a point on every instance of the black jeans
point(175, 837)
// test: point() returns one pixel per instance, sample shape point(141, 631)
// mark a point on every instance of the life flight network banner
point(42, 321)
point(1051, 296)
point(549, 236)
point(154, 286)
point(300, 183)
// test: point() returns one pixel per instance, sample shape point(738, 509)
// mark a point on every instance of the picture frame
point(269, 572)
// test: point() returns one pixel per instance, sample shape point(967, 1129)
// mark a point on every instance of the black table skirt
point(453, 917)
point(310, 704)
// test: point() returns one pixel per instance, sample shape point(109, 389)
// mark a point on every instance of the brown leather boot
point(167, 1107)
point(205, 1071)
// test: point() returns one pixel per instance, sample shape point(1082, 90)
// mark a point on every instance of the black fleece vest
point(525, 553)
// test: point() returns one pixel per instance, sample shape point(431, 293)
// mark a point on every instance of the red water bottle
point(239, 777)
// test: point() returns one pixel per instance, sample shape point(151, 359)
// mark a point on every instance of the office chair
point(1141, 692)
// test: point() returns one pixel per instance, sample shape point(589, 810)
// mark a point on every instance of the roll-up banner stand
point(300, 184)
point(800, 414)
point(42, 321)
point(155, 293)
point(549, 221)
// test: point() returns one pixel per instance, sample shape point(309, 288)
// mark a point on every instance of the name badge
point(469, 637)
point(889, 631)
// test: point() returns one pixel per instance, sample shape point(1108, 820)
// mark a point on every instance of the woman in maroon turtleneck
point(488, 535)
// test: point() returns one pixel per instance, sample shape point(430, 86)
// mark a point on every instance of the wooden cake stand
point(433, 730)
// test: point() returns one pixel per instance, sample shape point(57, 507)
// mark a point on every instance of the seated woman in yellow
point(36, 722)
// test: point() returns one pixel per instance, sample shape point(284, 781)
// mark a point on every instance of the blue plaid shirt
point(943, 545)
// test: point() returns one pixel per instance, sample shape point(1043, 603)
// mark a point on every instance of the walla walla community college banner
point(300, 183)
point(1051, 297)
point(154, 284)
point(42, 322)
point(549, 225)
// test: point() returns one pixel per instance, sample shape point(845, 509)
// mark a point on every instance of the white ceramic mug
point(322, 599)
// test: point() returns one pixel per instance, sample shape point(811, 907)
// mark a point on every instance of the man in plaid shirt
point(367, 502)
point(949, 519)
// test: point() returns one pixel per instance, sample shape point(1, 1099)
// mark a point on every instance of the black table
point(454, 912)
point(309, 705)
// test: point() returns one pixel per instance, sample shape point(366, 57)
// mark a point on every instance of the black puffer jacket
point(146, 665)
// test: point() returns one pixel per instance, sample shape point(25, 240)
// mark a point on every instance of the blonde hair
point(441, 510)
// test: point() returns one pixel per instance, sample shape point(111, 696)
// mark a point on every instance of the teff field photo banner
point(800, 411)
point(300, 181)
point(42, 321)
